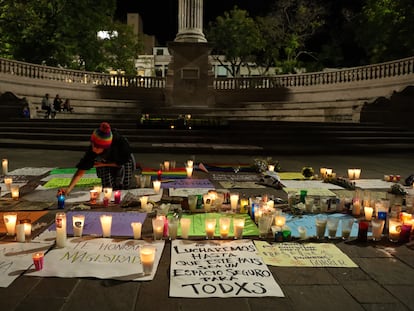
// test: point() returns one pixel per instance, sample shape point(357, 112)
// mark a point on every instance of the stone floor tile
point(369, 292)
point(35, 303)
point(364, 250)
point(384, 307)
point(103, 295)
point(404, 293)
point(303, 276)
point(270, 304)
point(55, 287)
point(321, 298)
point(387, 270)
point(344, 275)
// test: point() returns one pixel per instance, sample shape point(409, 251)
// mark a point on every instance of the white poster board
point(100, 258)
point(205, 269)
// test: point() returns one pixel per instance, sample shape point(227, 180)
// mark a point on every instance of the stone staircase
point(259, 138)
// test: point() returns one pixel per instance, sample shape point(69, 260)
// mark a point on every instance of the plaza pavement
point(384, 279)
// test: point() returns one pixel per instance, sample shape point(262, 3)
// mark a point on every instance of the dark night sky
point(160, 16)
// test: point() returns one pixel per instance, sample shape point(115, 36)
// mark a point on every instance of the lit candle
point(136, 229)
point(106, 224)
point(368, 212)
point(234, 200)
point(224, 224)
point(117, 196)
point(207, 202)
point(5, 166)
point(14, 192)
point(406, 217)
point(144, 202)
point(190, 163)
point(93, 196)
point(166, 165)
point(328, 172)
point(302, 232)
point(8, 181)
point(10, 222)
point(185, 227)
point(244, 205)
point(394, 230)
point(157, 186)
point(38, 260)
point(210, 226)
point(351, 173)
point(61, 201)
point(271, 168)
point(357, 173)
point(60, 221)
point(322, 171)
point(107, 193)
point(238, 226)
point(78, 222)
point(27, 229)
point(280, 220)
point(158, 227)
point(20, 236)
point(189, 171)
point(356, 207)
point(147, 256)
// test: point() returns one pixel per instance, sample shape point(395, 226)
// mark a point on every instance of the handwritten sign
point(99, 258)
point(188, 183)
point(16, 258)
point(303, 255)
point(219, 269)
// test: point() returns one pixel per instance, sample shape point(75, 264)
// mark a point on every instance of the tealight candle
point(10, 222)
point(5, 166)
point(234, 200)
point(38, 260)
point(210, 226)
point(15, 192)
point(368, 212)
point(238, 226)
point(106, 224)
point(271, 168)
point(185, 227)
point(189, 171)
point(156, 185)
point(158, 228)
point(224, 224)
point(60, 222)
point(117, 196)
point(136, 229)
point(394, 230)
point(280, 220)
point(147, 256)
point(8, 181)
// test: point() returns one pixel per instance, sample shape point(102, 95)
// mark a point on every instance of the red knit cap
point(102, 136)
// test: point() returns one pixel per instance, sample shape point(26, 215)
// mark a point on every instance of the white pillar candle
point(328, 172)
point(107, 193)
point(357, 173)
point(10, 222)
point(147, 256)
point(27, 229)
point(185, 227)
point(189, 171)
point(136, 229)
point(78, 222)
point(5, 166)
point(8, 181)
point(158, 227)
point(234, 200)
point(144, 202)
point(156, 185)
point(210, 226)
point(20, 236)
point(106, 224)
point(190, 163)
point(368, 212)
point(60, 221)
point(93, 196)
point(166, 165)
point(224, 225)
point(351, 173)
point(238, 227)
point(14, 192)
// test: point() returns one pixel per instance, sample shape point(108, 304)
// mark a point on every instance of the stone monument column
point(190, 21)
point(190, 78)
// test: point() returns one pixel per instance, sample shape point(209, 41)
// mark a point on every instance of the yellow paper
point(303, 255)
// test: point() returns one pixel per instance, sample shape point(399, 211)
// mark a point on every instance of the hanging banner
point(223, 269)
